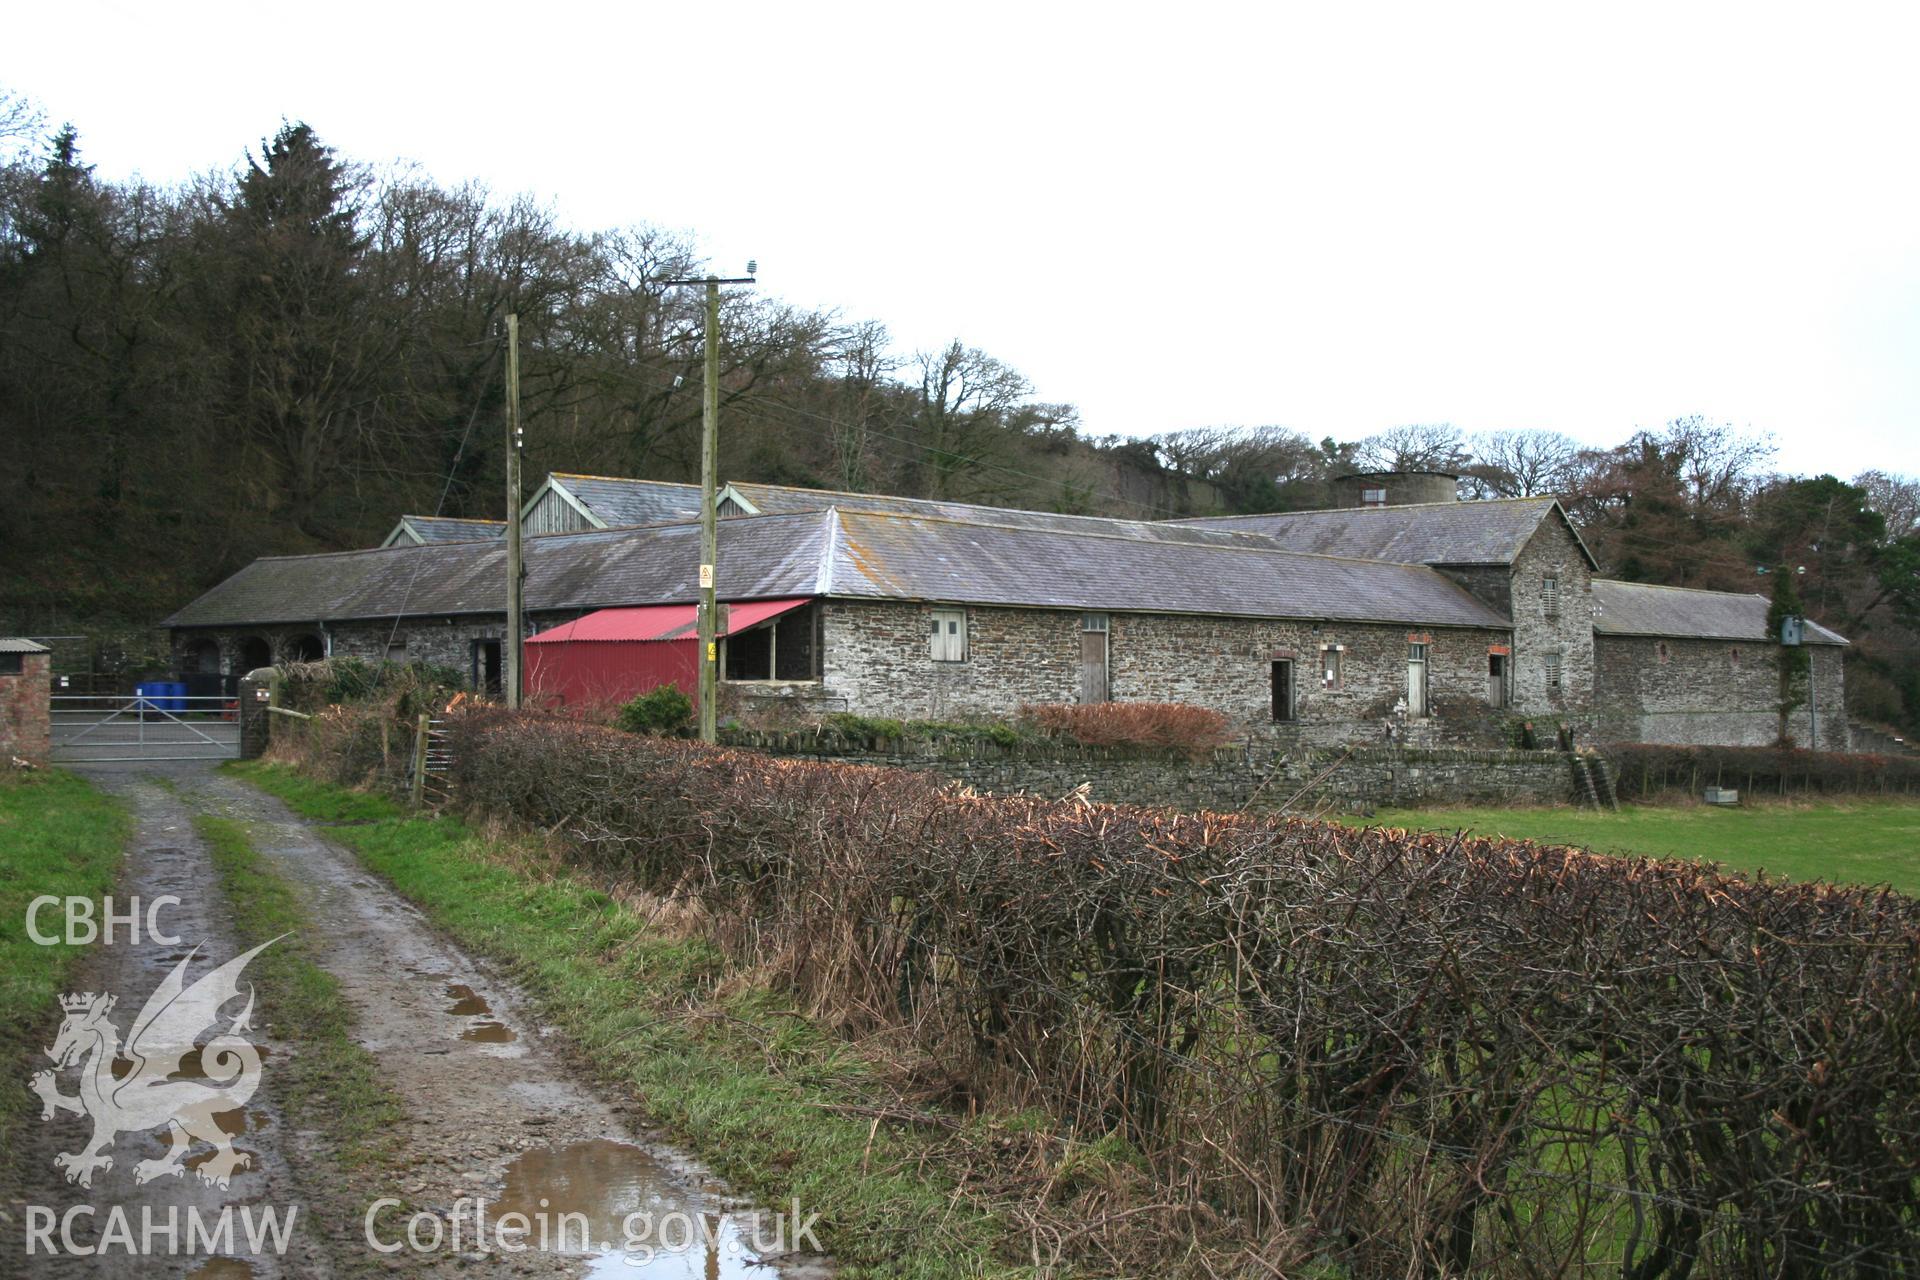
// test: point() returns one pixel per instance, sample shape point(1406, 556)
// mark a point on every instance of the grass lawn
point(60, 837)
point(1858, 842)
point(764, 1096)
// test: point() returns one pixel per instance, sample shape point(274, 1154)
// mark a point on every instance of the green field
point(1857, 842)
point(58, 837)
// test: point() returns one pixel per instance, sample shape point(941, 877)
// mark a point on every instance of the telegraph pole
point(709, 623)
point(511, 651)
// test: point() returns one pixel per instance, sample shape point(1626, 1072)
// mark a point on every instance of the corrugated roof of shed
point(20, 644)
point(1685, 613)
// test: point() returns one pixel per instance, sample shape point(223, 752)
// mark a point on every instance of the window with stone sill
point(1553, 675)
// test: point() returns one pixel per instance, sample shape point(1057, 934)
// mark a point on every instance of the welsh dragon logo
point(160, 1085)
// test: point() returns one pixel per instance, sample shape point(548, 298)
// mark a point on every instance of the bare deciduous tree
point(1523, 464)
point(1435, 446)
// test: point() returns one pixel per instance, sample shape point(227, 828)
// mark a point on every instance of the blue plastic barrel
point(176, 697)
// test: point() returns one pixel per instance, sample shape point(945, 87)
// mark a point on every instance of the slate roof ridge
point(587, 475)
point(829, 552)
point(1251, 541)
point(937, 502)
point(1395, 506)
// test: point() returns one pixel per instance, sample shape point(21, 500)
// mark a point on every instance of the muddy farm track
point(492, 1107)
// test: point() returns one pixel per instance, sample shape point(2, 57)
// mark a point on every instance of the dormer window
point(1373, 497)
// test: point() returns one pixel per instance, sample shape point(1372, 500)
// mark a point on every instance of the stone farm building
point(1435, 621)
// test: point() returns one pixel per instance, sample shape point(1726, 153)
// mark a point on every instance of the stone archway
point(200, 658)
point(250, 653)
point(303, 647)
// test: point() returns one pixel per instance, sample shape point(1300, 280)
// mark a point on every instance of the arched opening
point(200, 658)
point(305, 647)
point(252, 654)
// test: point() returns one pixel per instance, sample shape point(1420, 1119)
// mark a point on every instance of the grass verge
point(329, 1084)
point(1854, 842)
point(770, 1101)
point(58, 837)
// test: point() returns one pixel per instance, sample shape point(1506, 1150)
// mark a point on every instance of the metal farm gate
point(100, 728)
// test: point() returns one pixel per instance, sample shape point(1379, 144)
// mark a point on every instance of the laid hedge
point(1647, 769)
point(1386, 1052)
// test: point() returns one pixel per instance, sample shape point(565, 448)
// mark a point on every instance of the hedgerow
point(1646, 769)
point(1384, 1052)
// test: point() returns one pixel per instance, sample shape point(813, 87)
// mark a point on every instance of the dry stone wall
point(1353, 779)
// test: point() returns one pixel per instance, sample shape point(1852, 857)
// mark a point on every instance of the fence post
point(255, 696)
point(420, 762)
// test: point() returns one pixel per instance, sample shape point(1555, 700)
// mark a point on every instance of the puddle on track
point(465, 1002)
point(487, 1031)
point(604, 1181)
point(222, 1269)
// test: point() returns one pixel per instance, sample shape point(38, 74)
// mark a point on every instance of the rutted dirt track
point(494, 1110)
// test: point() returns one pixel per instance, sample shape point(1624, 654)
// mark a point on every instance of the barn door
point(1416, 681)
point(1093, 658)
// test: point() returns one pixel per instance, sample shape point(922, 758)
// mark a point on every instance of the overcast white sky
point(1332, 217)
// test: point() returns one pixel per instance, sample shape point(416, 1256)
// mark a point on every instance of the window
point(1734, 653)
point(1093, 622)
point(1553, 675)
point(12, 664)
point(397, 651)
point(1332, 665)
point(1416, 681)
point(1373, 497)
point(785, 649)
point(1283, 707)
point(1550, 595)
point(948, 636)
point(1660, 651)
point(1496, 679)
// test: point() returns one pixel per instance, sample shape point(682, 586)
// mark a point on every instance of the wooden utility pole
point(709, 622)
point(710, 521)
point(511, 650)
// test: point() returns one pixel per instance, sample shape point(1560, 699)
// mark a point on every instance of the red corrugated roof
point(660, 622)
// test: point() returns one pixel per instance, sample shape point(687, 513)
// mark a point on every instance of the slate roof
point(619, 502)
point(1640, 609)
point(847, 554)
point(1462, 533)
point(446, 529)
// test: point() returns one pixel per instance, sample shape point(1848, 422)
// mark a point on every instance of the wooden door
point(1093, 666)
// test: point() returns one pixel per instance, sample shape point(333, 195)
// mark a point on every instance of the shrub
point(1169, 725)
point(1377, 1052)
point(869, 729)
point(661, 710)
